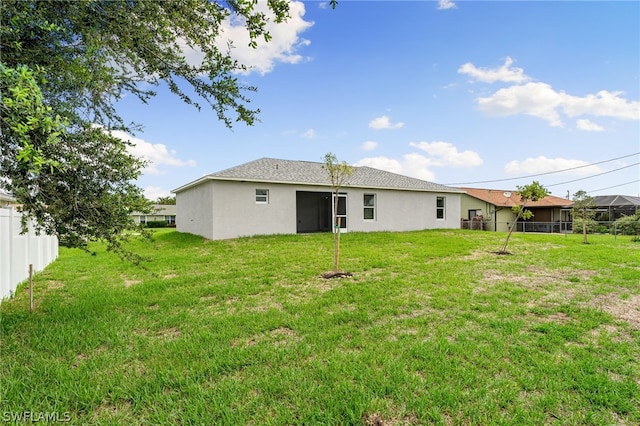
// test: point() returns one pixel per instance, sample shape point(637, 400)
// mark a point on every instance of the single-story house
point(159, 213)
point(493, 208)
point(6, 200)
point(274, 196)
point(613, 207)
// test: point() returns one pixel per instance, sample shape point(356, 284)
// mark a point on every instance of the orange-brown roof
point(510, 198)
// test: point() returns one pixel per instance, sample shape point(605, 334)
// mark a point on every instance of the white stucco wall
point(194, 207)
point(236, 213)
point(401, 210)
point(228, 209)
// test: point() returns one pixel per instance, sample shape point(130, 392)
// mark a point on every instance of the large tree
point(64, 64)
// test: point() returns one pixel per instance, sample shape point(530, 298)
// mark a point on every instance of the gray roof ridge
point(267, 169)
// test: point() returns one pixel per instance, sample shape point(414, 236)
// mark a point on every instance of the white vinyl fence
point(18, 251)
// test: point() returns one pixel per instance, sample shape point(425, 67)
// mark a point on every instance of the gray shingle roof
point(616, 200)
point(311, 173)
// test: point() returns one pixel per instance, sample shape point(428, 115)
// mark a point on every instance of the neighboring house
point(494, 206)
point(159, 212)
point(613, 207)
point(272, 196)
point(6, 200)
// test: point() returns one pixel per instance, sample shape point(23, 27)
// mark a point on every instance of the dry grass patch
point(556, 318)
point(375, 419)
point(112, 412)
point(538, 278)
point(616, 334)
point(627, 310)
point(555, 285)
point(54, 285)
point(277, 337)
point(129, 282)
point(170, 333)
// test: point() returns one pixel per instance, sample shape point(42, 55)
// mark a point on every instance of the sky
point(462, 93)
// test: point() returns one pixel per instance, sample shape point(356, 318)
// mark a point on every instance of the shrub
point(577, 225)
point(629, 225)
point(156, 224)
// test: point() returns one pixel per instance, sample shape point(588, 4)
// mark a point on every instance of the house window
point(143, 219)
point(171, 220)
point(440, 210)
point(369, 206)
point(262, 196)
point(474, 213)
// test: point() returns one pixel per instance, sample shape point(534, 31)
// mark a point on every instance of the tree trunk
point(515, 222)
point(584, 226)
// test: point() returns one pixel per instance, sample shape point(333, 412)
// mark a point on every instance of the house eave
point(328, 186)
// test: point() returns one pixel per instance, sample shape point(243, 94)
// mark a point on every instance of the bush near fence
point(18, 251)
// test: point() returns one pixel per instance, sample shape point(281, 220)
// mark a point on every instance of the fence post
point(31, 287)
point(11, 251)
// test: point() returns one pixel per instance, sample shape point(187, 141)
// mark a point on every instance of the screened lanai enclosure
point(613, 207)
point(314, 211)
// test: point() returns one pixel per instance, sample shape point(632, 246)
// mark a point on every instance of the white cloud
point(542, 101)
point(155, 154)
point(154, 192)
point(384, 122)
point(588, 126)
point(281, 48)
point(536, 99)
point(309, 134)
point(543, 164)
point(414, 165)
point(417, 165)
point(446, 154)
point(505, 73)
point(602, 104)
point(446, 4)
point(369, 145)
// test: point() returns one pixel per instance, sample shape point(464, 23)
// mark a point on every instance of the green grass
point(433, 328)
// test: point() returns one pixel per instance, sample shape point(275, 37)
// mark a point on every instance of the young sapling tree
point(338, 173)
point(583, 209)
point(528, 193)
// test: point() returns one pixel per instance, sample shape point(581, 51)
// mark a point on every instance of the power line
point(592, 176)
point(546, 173)
point(615, 186)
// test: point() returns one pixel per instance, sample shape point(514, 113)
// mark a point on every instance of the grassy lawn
point(433, 328)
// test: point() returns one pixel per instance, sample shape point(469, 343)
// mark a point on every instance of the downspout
point(495, 219)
